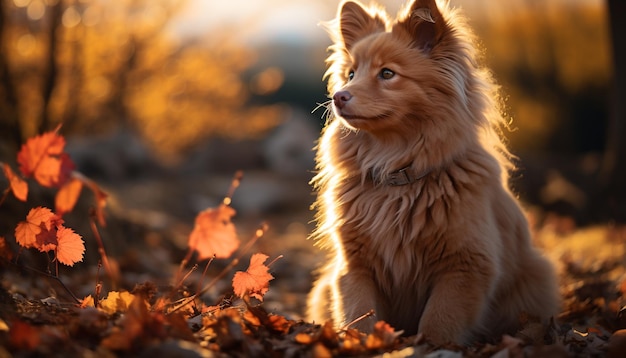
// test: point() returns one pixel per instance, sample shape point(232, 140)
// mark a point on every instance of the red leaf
point(214, 234)
point(18, 186)
point(24, 336)
point(67, 196)
point(255, 281)
point(42, 157)
point(70, 246)
point(46, 239)
point(26, 231)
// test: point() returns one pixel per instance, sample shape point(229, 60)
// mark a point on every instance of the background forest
point(162, 101)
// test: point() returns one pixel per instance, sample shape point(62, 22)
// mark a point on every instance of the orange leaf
point(26, 231)
point(67, 196)
point(18, 186)
point(255, 281)
point(214, 234)
point(35, 149)
point(88, 301)
point(70, 247)
point(383, 336)
point(42, 157)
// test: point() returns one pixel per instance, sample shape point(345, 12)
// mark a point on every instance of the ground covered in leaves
point(159, 316)
point(150, 282)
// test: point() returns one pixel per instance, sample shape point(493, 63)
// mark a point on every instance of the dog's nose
point(340, 98)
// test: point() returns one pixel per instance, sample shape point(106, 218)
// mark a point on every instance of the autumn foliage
point(255, 280)
point(44, 231)
point(214, 234)
point(17, 185)
point(44, 158)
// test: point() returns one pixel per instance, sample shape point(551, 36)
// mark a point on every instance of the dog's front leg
point(455, 305)
point(358, 295)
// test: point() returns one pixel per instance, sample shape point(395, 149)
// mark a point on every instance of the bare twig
point(49, 275)
point(358, 319)
point(216, 279)
point(5, 194)
point(234, 184)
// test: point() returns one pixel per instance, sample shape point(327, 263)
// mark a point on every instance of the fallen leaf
point(329, 335)
point(138, 328)
point(279, 323)
point(116, 302)
point(303, 338)
point(67, 196)
point(383, 336)
point(18, 186)
point(255, 280)
point(87, 302)
point(24, 336)
point(214, 234)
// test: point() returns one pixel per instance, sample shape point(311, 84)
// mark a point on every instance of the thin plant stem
point(206, 268)
point(5, 194)
point(101, 251)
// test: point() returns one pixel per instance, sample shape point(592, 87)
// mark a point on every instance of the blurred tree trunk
point(614, 171)
point(9, 118)
point(49, 81)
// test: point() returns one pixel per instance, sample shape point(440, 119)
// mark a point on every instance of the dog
point(413, 203)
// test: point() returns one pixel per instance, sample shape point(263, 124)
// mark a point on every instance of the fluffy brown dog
point(414, 205)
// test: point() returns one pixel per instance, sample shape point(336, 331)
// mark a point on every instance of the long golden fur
point(447, 253)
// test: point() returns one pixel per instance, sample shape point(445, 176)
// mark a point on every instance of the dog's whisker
point(327, 108)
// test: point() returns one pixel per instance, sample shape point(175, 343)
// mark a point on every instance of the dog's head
point(408, 76)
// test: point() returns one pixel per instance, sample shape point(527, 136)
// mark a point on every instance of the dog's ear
point(355, 23)
point(424, 23)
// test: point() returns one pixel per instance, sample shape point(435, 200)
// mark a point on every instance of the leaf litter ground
point(139, 302)
point(39, 319)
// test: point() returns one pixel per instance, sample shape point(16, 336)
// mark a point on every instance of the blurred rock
point(114, 156)
point(289, 150)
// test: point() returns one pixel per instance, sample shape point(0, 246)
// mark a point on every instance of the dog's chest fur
point(402, 231)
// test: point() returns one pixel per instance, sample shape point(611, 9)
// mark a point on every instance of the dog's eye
point(350, 75)
point(386, 73)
